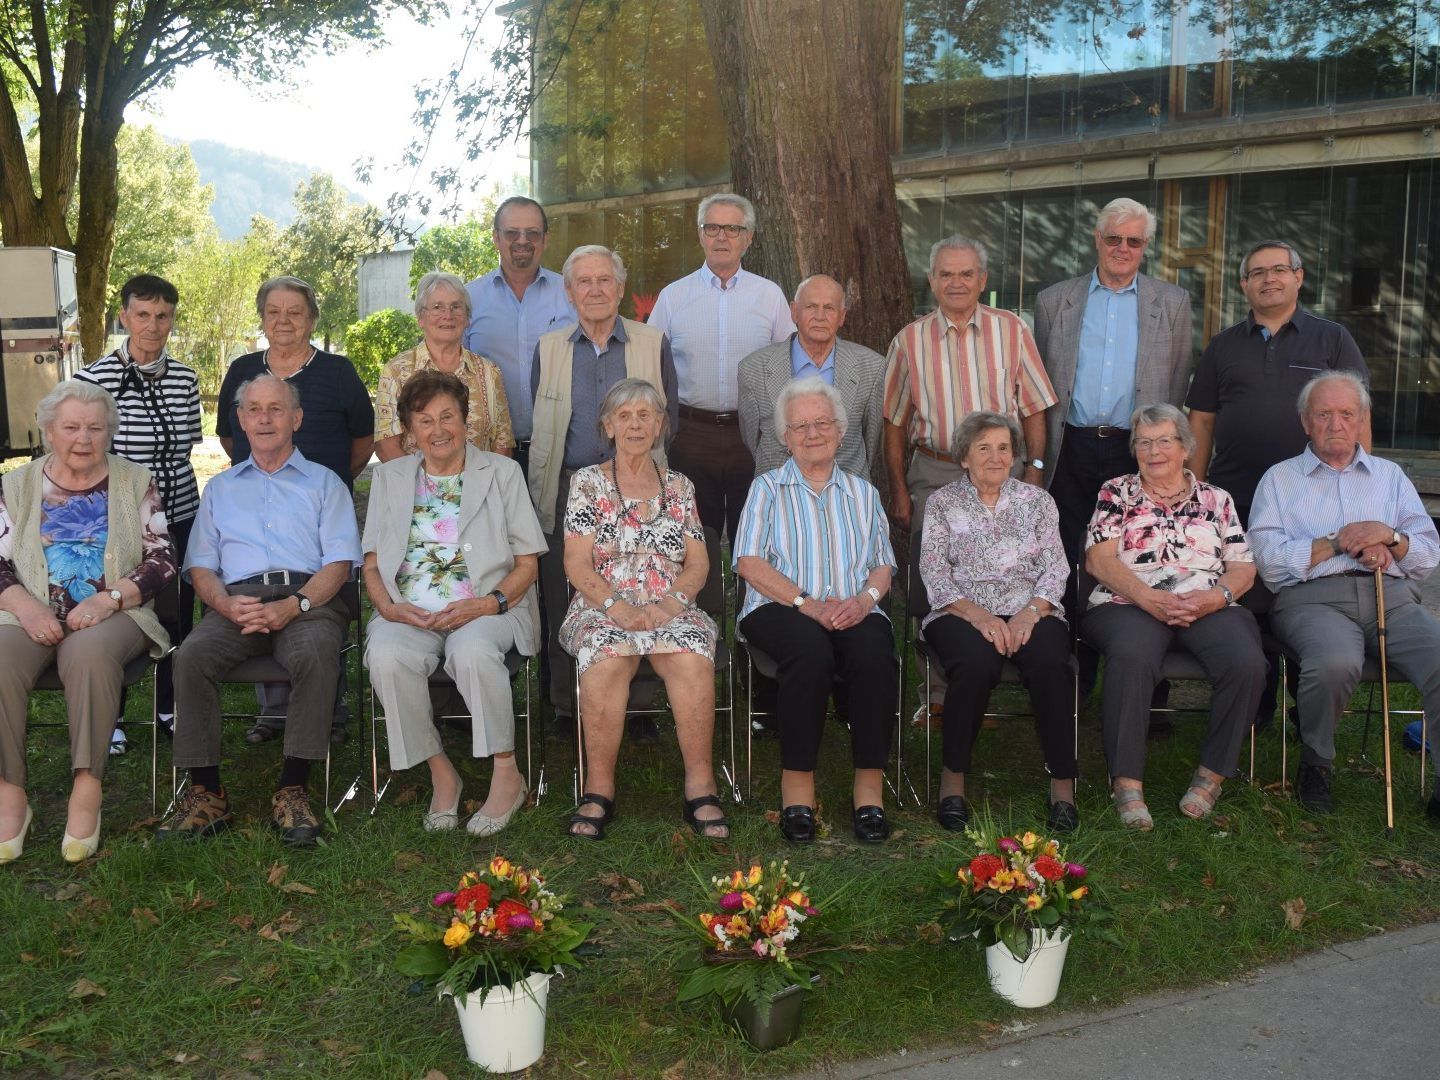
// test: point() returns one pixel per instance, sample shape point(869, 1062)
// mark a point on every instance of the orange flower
point(1034, 902)
point(737, 927)
point(755, 875)
point(500, 866)
point(774, 920)
point(748, 901)
point(1080, 893)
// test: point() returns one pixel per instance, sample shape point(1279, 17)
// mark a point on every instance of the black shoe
point(797, 824)
point(869, 824)
point(1312, 788)
point(953, 813)
point(642, 730)
point(261, 733)
point(1063, 817)
point(338, 736)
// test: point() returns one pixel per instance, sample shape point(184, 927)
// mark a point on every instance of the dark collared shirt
point(1251, 380)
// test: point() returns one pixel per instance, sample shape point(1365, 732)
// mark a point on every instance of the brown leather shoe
point(198, 813)
point(291, 815)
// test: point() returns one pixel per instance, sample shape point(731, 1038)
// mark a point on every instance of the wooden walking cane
point(1384, 701)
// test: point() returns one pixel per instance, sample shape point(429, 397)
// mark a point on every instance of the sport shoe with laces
point(291, 815)
point(1312, 788)
point(199, 812)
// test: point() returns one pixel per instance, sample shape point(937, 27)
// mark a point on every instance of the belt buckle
point(1106, 431)
point(281, 577)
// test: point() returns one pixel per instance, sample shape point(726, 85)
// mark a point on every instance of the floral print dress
point(640, 562)
point(433, 573)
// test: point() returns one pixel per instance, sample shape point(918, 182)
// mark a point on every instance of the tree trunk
point(805, 86)
point(95, 225)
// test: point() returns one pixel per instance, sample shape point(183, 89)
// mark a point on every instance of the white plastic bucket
point(506, 1033)
point(1034, 983)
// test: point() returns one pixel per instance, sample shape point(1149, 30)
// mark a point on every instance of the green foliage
point(376, 339)
point(218, 279)
point(466, 249)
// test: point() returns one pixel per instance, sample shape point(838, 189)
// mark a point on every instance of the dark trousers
point(177, 627)
point(1227, 644)
point(1086, 461)
point(554, 600)
point(522, 458)
point(972, 667)
point(720, 466)
point(809, 657)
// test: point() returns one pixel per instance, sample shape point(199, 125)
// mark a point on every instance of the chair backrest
point(712, 597)
point(917, 597)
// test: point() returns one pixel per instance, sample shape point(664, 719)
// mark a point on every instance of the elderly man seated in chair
point(1321, 525)
point(274, 541)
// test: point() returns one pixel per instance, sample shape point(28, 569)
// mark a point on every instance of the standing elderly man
point(274, 541)
point(514, 304)
point(714, 318)
point(815, 349)
point(573, 368)
point(1112, 340)
point(1322, 523)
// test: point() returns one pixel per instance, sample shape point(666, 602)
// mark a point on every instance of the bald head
point(819, 312)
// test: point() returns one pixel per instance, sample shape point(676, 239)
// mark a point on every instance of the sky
point(341, 107)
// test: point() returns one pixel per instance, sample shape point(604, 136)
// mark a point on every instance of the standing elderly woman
point(451, 549)
point(338, 432)
point(635, 552)
point(82, 540)
point(442, 307)
point(994, 568)
point(814, 549)
point(1171, 559)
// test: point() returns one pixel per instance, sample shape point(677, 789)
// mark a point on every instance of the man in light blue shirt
point(714, 318)
point(513, 305)
point(1322, 526)
point(273, 542)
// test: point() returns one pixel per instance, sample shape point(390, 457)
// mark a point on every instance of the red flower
point(1048, 868)
point(475, 898)
point(984, 867)
point(504, 912)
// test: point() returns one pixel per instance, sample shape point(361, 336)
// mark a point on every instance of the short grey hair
point(977, 423)
point(1295, 263)
point(1161, 413)
point(287, 283)
point(244, 388)
point(812, 279)
point(584, 251)
point(725, 198)
point(623, 393)
point(86, 393)
point(1354, 381)
point(959, 243)
point(1119, 211)
point(439, 279)
point(810, 386)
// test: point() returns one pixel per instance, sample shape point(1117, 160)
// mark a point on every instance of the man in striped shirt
point(159, 402)
point(1321, 525)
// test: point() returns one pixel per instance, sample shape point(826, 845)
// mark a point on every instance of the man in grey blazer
point(856, 372)
point(1111, 340)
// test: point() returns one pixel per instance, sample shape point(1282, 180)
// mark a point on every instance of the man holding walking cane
point(1322, 524)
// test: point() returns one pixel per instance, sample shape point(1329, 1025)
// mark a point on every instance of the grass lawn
point(237, 957)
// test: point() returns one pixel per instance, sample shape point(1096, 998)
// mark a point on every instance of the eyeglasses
point(804, 427)
point(712, 230)
point(1260, 273)
point(532, 235)
point(1164, 442)
point(455, 307)
point(1134, 243)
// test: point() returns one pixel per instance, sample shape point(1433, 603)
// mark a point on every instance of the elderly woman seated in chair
point(992, 563)
point(635, 553)
point(814, 550)
point(83, 551)
point(451, 545)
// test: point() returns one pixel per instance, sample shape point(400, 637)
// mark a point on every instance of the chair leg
point(154, 739)
point(1284, 724)
point(579, 742)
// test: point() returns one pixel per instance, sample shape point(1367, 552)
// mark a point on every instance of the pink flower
point(732, 901)
point(1006, 844)
point(521, 922)
point(812, 911)
point(447, 530)
point(761, 947)
point(441, 899)
point(1075, 870)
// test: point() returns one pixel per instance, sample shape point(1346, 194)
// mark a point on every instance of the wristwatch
point(1395, 541)
point(501, 599)
point(609, 602)
point(799, 601)
point(678, 595)
point(1037, 463)
point(1229, 596)
point(1334, 538)
point(874, 594)
point(304, 601)
point(119, 598)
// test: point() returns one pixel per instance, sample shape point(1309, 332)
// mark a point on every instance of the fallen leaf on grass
point(1208, 880)
point(674, 1072)
point(434, 1074)
point(277, 873)
point(1294, 913)
point(405, 795)
point(144, 915)
point(226, 980)
point(72, 951)
point(931, 933)
point(772, 816)
point(656, 909)
point(68, 891)
point(408, 860)
point(1173, 863)
point(244, 922)
point(253, 1053)
point(339, 1050)
point(1222, 822)
point(297, 887)
point(181, 1057)
point(621, 887)
point(286, 924)
point(84, 988)
point(1015, 1027)
point(27, 957)
point(198, 902)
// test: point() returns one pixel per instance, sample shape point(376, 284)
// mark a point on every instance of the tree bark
point(805, 86)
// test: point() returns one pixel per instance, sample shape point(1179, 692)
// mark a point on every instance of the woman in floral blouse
point(1171, 559)
point(991, 560)
point(83, 550)
point(635, 553)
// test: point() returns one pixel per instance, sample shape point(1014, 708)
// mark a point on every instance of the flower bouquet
point(503, 936)
point(758, 951)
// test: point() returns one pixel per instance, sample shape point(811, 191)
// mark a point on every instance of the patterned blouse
point(998, 558)
point(1180, 549)
point(433, 573)
point(488, 425)
point(74, 527)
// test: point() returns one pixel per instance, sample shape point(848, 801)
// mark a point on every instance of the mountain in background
point(247, 183)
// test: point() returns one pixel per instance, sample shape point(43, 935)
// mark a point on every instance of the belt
point(949, 458)
point(1102, 431)
point(277, 577)
point(705, 416)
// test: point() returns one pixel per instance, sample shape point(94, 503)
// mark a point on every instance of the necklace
point(266, 361)
point(1167, 495)
point(660, 508)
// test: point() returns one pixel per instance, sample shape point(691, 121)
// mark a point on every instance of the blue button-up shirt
point(504, 330)
point(1302, 499)
point(300, 517)
point(827, 542)
point(1105, 366)
point(805, 368)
